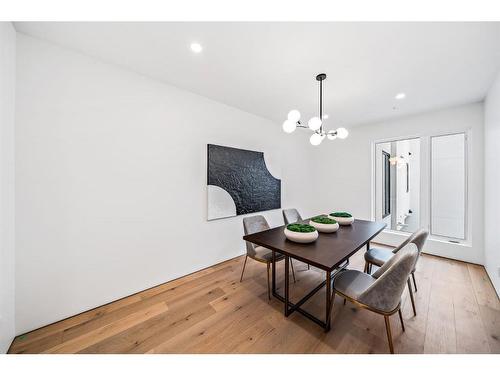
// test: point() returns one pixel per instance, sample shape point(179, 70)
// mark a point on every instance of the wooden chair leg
point(414, 282)
point(293, 271)
point(243, 270)
point(389, 335)
point(411, 297)
point(366, 268)
point(401, 319)
point(268, 284)
point(308, 267)
point(345, 300)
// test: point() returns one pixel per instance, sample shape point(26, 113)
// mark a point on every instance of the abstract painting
point(239, 183)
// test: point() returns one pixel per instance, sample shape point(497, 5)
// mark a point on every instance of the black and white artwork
point(239, 183)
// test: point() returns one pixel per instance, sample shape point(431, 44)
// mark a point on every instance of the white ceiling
point(270, 68)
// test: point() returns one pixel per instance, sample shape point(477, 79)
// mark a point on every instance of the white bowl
point(342, 220)
point(301, 237)
point(325, 228)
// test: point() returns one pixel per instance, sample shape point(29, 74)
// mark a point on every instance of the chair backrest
point(254, 224)
point(418, 238)
point(385, 293)
point(291, 215)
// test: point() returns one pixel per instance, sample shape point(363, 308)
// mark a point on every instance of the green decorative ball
point(323, 220)
point(301, 228)
point(341, 214)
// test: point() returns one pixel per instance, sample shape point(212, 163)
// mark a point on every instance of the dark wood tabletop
point(328, 251)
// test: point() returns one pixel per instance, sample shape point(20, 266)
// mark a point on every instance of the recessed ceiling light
point(196, 47)
point(325, 116)
point(400, 96)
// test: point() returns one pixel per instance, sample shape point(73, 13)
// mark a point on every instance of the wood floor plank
point(167, 296)
point(38, 340)
point(179, 286)
point(471, 334)
point(210, 311)
point(145, 336)
point(217, 339)
point(491, 322)
point(199, 336)
point(37, 346)
point(485, 293)
point(440, 335)
point(80, 342)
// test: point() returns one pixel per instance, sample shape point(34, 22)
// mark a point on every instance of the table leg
point(287, 265)
point(328, 300)
point(274, 273)
point(292, 307)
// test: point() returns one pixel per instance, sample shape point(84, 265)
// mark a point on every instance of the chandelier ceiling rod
point(321, 77)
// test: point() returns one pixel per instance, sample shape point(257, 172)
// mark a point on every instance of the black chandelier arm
point(300, 125)
point(319, 131)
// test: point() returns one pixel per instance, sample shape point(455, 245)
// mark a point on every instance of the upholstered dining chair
point(378, 257)
point(380, 292)
point(291, 215)
point(254, 224)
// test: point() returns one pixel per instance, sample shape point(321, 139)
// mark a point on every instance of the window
point(386, 184)
point(448, 186)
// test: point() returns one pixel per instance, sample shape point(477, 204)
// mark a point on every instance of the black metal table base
point(290, 307)
point(295, 307)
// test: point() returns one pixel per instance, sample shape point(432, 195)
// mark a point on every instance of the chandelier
point(316, 123)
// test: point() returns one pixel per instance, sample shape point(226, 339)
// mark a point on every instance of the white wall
point(349, 186)
point(492, 182)
point(111, 181)
point(7, 97)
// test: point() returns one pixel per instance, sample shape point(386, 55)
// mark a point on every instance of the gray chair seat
point(353, 283)
point(265, 254)
point(378, 256)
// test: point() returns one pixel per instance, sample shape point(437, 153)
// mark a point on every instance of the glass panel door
point(397, 184)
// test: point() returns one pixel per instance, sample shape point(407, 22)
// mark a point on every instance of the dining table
point(330, 253)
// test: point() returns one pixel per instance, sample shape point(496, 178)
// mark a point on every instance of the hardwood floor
point(212, 312)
